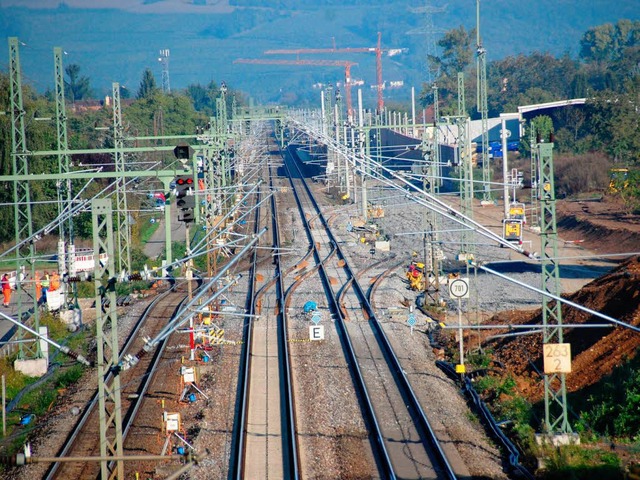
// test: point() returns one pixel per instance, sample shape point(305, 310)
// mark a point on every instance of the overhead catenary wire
point(375, 170)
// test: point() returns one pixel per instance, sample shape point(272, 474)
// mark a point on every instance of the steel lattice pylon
point(464, 164)
point(555, 398)
point(431, 183)
point(64, 186)
point(21, 192)
point(122, 212)
point(107, 342)
point(483, 107)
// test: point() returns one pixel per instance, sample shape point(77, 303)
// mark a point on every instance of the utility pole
point(64, 185)
point(430, 182)
point(534, 220)
point(465, 169)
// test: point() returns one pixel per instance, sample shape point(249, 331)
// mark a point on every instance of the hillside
point(117, 43)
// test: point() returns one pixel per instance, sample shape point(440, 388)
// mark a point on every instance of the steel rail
point(238, 438)
point(378, 443)
point(289, 439)
point(68, 443)
point(402, 381)
point(291, 458)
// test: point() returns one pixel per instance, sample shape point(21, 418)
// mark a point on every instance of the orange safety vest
point(55, 282)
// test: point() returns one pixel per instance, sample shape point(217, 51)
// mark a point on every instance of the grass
point(562, 463)
point(575, 462)
point(147, 229)
point(38, 399)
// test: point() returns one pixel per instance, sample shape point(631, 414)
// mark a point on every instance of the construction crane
point(317, 63)
point(378, 51)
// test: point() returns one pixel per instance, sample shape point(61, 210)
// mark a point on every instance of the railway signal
point(185, 198)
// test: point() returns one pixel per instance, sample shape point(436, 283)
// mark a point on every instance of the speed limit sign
point(459, 288)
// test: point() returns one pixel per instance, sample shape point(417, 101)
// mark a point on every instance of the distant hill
point(113, 45)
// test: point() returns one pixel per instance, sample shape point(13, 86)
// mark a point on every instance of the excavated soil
point(605, 228)
point(601, 226)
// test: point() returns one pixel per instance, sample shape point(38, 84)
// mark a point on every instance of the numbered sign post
point(557, 358)
point(459, 288)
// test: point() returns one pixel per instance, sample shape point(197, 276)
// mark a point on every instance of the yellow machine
point(512, 230)
point(517, 212)
point(619, 179)
point(415, 276)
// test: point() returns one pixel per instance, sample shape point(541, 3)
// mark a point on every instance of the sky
point(138, 6)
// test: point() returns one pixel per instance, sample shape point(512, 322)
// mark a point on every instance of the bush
point(581, 174)
point(575, 462)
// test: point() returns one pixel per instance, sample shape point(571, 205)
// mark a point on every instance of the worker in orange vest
point(54, 282)
point(44, 281)
point(6, 289)
point(38, 287)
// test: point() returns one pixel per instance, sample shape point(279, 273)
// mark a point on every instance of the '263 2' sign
point(557, 358)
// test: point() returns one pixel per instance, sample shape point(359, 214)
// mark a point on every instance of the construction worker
point(6, 290)
point(38, 287)
point(44, 282)
point(54, 281)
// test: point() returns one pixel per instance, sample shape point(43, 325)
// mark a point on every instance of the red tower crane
point(378, 51)
point(319, 63)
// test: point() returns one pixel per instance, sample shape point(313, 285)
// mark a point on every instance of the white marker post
point(459, 288)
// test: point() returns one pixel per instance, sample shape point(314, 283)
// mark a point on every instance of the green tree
point(178, 115)
point(147, 85)
point(76, 87)
point(457, 53)
point(614, 124)
point(543, 126)
point(607, 42)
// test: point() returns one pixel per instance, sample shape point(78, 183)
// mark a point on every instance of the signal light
point(185, 197)
point(184, 181)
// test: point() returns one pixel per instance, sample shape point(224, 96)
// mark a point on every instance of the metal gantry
point(555, 390)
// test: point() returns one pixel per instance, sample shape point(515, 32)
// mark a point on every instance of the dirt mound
point(595, 351)
point(602, 225)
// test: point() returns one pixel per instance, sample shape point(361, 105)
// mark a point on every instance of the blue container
point(310, 306)
point(192, 397)
point(26, 419)
point(180, 450)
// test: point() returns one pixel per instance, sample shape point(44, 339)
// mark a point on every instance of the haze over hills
point(114, 41)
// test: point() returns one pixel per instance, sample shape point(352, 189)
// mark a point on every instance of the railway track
point(83, 441)
point(264, 433)
point(401, 437)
